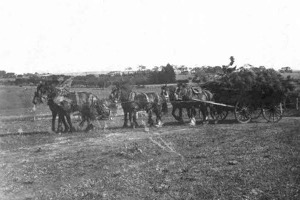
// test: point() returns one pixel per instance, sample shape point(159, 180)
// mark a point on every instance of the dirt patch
point(223, 161)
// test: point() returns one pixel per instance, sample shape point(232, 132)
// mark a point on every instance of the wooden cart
point(246, 105)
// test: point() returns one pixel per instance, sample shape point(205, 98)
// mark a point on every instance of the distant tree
point(142, 68)
point(154, 77)
point(182, 69)
point(201, 76)
point(140, 79)
point(168, 74)
point(206, 73)
point(9, 75)
point(156, 68)
point(194, 70)
point(285, 70)
point(2, 73)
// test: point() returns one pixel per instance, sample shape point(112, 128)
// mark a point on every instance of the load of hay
point(256, 83)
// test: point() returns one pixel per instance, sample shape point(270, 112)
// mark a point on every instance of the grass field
point(257, 160)
point(16, 101)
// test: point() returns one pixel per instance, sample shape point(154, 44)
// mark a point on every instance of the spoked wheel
point(219, 114)
point(273, 113)
point(242, 112)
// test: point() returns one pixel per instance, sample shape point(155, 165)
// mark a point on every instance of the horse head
point(115, 95)
point(120, 93)
point(172, 93)
point(40, 94)
point(43, 93)
point(184, 93)
point(165, 93)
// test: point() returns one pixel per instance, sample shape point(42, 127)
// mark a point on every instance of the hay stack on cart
point(249, 93)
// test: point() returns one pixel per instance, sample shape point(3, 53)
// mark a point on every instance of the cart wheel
point(273, 113)
point(242, 112)
point(219, 114)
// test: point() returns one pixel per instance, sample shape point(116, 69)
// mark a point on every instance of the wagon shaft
point(214, 103)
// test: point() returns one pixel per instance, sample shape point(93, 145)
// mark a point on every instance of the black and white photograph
point(149, 99)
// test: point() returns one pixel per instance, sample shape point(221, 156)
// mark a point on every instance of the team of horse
point(132, 102)
point(191, 99)
point(63, 103)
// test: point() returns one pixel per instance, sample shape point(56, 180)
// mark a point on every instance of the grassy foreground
point(222, 161)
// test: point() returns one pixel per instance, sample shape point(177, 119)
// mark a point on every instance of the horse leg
point(191, 111)
point(150, 120)
point(174, 108)
point(204, 110)
point(164, 108)
point(130, 117)
point(61, 120)
point(83, 119)
point(54, 114)
point(212, 111)
point(173, 113)
point(180, 119)
point(135, 117)
point(192, 116)
point(207, 112)
point(69, 122)
point(194, 112)
point(209, 109)
point(90, 126)
point(134, 123)
point(125, 119)
point(158, 114)
point(200, 113)
point(188, 111)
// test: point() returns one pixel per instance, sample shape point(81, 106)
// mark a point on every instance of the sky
point(62, 36)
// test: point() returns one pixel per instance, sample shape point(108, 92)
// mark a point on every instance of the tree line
point(141, 77)
point(163, 75)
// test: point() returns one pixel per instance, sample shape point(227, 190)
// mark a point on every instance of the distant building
point(10, 75)
point(115, 73)
point(127, 72)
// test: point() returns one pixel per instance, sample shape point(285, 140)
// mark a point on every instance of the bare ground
point(223, 161)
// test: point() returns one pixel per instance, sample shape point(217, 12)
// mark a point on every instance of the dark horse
point(132, 102)
point(191, 99)
point(56, 110)
point(64, 103)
